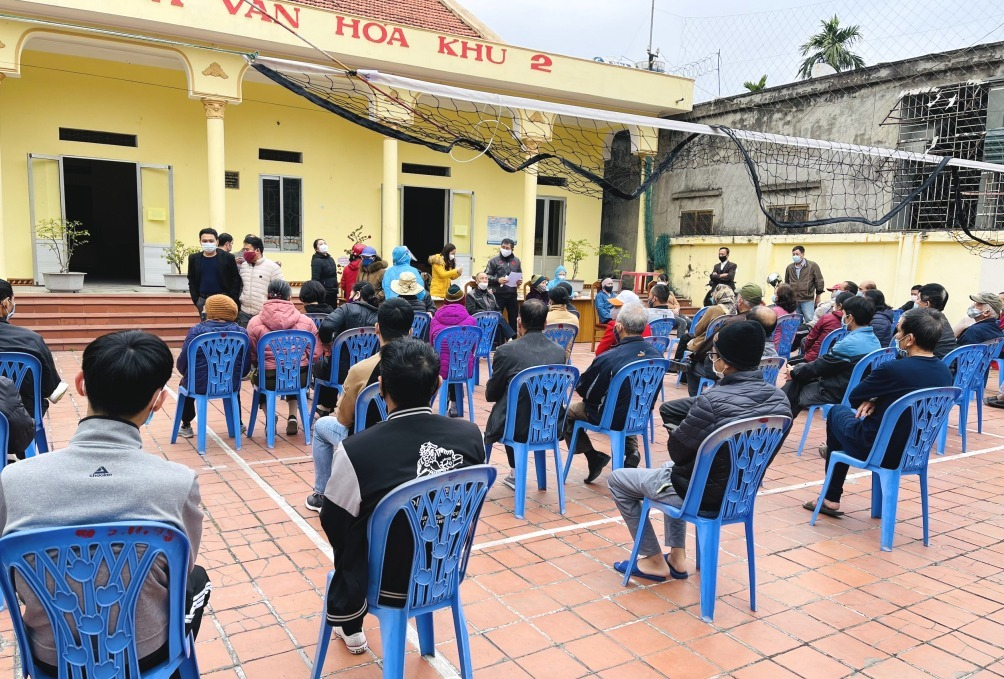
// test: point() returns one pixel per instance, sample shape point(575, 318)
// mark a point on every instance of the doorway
point(103, 196)
point(549, 236)
point(423, 223)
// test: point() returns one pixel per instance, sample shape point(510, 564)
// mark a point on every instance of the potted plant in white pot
point(62, 237)
point(575, 252)
point(176, 256)
point(616, 255)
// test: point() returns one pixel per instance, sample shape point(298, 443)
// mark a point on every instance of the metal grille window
point(282, 213)
point(97, 137)
point(786, 213)
point(696, 222)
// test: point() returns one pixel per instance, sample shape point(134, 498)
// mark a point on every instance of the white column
point(390, 229)
point(528, 223)
point(216, 154)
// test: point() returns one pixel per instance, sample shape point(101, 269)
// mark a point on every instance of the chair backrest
point(461, 342)
point(788, 326)
point(367, 395)
point(996, 346)
point(929, 409)
point(644, 377)
point(752, 443)
point(420, 325)
point(896, 313)
point(76, 574)
point(288, 347)
point(358, 343)
point(442, 511)
point(697, 316)
point(316, 318)
point(488, 321)
point(771, 368)
point(831, 339)
point(4, 438)
point(659, 342)
point(15, 365)
point(971, 363)
point(662, 327)
point(714, 325)
point(562, 334)
point(548, 391)
point(222, 355)
point(865, 365)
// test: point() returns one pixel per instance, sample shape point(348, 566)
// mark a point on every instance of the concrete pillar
point(216, 152)
point(3, 249)
point(390, 228)
point(764, 253)
point(641, 251)
point(528, 223)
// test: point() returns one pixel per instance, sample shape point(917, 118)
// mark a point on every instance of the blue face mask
point(367, 261)
point(796, 259)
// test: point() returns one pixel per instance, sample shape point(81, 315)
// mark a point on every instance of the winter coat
point(984, 331)
point(500, 267)
point(230, 276)
point(372, 274)
point(559, 314)
point(20, 425)
point(480, 300)
point(737, 396)
point(347, 317)
point(808, 283)
point(449, 315)
point(833, 371)
point(256, 280)
point(317, 309)
point(201, 370)
point(324, 270)
point(349, 275)
point(823, 327)
point(424, 304)
point(280, 314)
point(441, 276)
point(883, 327)
point(594, 384)
point(554, 281)
point(402, 263)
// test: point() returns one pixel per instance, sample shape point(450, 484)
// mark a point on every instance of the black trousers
point(509, 306)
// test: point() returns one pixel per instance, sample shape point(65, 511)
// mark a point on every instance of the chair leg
point(444, 396)
point(708, 532)
point(314, 402)
point(559, 481)
point(233, 406)
point(177, 418)
point(964, 419)
point(41, 440)
point(924, 507)
point(426, 634)
point(979, 409)
point(571, 451)
point(393, 633)
point(642, 522)
point(520, 455)
point(648, 450)
point(477, 370)
point(270, 406)
point(540, 461)
point(253, 417)
point(201, 414)
point(617, 449)
point(822, 493)
point(323, 637)
point(229, 415)
point(460, 402)
point(805, 432)
point(488, 453)
point(189, 667)
point(890, 496)
point(751, 560)
point(470, 399)
point(876, 496)
point(943, 438)
point(463, 641)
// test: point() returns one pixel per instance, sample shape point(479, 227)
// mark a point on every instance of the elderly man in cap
point(602, 300)
point(985, 313)
point(610, 338)
point(407, 287)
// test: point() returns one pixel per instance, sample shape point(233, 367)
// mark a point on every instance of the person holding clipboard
point(505, 273)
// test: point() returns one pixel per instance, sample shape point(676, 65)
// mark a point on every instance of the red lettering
point(341, 23)
point(445, 46)
point(488, 55)
point(397, 35)
point(293, 20)
point(476, 49)
point(258, 7)
point(541, 62)
point(174, 3)
point(232, 7)
point(380, 36)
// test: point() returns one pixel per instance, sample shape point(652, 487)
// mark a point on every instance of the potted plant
point(616, 255)
point(575, 252)
point(176, 255)
point(62, 237)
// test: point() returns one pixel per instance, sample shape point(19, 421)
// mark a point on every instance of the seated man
point(15, 338)
point(104, 475)
point(741, 393)
point(749, 297)
point(530, 350)
point(558, 311)
point(594, 384)
point(934, 296)
point(394, 319)
point(609, 339)
point(853, 429)
point(602, 301)
point(658, 303)
point(985, 312)
point(825, 380)
point(412, 443)
point(20, 425)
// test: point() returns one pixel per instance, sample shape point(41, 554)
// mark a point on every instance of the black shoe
point(597, 461)
point(632, 461)
point(314, 502)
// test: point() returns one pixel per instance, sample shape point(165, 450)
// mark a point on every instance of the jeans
point(328, 435)
point(629, 487)
point(807, 309)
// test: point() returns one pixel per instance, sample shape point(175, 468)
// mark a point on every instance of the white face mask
point(505, 252)
point(483, 285)
point(561, 276)
point(972, 312)
point(453, 256)
point(10, 314)
point(208, 247)
point(914, 298)
point(715, 370)
point(322, 248)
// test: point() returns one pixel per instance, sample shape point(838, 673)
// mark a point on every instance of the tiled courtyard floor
point(542, 600)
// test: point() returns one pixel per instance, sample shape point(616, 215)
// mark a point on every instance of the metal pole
point(719, 73)
point(651, 29)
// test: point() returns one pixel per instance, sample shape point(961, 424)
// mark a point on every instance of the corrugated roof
point(431, 15)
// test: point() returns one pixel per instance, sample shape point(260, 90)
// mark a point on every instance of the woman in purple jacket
point(451, 314)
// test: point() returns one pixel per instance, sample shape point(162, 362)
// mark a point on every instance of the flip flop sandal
point(621, 567)
point(993, 402)
point(677, 575)
point(811, 506)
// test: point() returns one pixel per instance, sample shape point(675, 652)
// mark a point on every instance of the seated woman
point(452, 314)
point(538, 290)
point(313, 295)
point(784, 304)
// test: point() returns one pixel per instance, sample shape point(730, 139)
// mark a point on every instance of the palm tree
point(756, 86)
point(831, 46)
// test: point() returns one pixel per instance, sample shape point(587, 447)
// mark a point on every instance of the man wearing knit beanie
point(740, 394)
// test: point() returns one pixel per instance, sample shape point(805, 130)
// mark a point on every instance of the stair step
point(80, 343)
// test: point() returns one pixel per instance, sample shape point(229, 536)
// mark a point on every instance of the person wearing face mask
point(602, 300)
point(444, 270)
point(610, 338)
point(18, 338)
point(985, 313)
point(914, 297)
point(538, 290)
point(723, 273)
point(741, 393)
point(213, 271)
point(480, 298)
point(372, 270)
point(350, 273)
point(500, 270)
point(852, 429)
point(257, 273)
point(806, 280)
point(560, 276)
point(324, 270)
point(823, 327)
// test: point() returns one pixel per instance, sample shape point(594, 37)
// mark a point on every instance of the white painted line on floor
point(545, 533)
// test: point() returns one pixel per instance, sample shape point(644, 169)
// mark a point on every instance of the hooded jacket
point(449, 315)
point(441, 276)
point(402, 262)
point(349, 275)
point(280, 314)
point(554, 281)
point(373, 274)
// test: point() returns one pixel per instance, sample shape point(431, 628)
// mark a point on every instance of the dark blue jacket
point(595, 382)
point(883, 327)
point(201, 372)
point(984, 331)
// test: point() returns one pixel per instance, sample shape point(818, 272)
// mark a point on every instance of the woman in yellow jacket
point(444, 270)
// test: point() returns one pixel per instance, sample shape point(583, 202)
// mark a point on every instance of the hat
point(835, 288)
point(606, 282)
point(538, 280)
point(741, 344)
point(369, 251)
point(624, 297)
point(990, 298)
point(358, 249)
point(220, 308)
point(752, 293)
point(558, 294)
point(406, 284)
point(454, 294)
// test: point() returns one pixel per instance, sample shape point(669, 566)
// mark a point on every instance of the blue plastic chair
point(869, 362)
point(461, 343)
point(710, 331)
point(420, 325)
point(896, 313)
point(1000, 373)
point(662, 345)
point(288, 347)
point(996, 346)
point(831, 339)
point(15, 366)
point(547, 389)
point(643, 378)
point(752, 444)
point(316, 318)
point(662, 327)
point(442, 512)
point(369, 394)
point(76, 573)
point(788, 326)
point(697, 316)
point(488, 321)
point(770, 368)
point(928, 410)
point(4, 438)
point(222, 354)
point(971, 361)
point(562, 334)
point(360, 343)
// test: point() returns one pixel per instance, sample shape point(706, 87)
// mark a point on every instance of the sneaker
point(291, 426)
point(356, 643)
point(314, 502)
point(185, 431)
point(452, 411)
point(597, 461)
point(632, 461)
point(510, 480)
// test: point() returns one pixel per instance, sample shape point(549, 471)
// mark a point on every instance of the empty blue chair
point(831, 339)
point(316, 318)
point(488, 321)
point(788, 325)
point(928, 411)
point(222, 357)
point(872, 360)
point(547, 392)
point(971, 361)
point(76, 574)
point(442, 512)
point(562, 334)
point(15, 366)
point(642, 379)
point(461, 342)
point(751, 443)
point(354, 345)
point(369, 394)
point(771, 368)
point(420, 325)
point(288, 347)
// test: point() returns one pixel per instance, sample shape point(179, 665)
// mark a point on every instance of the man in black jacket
point(20, 425)
point(412, 443)
point(360, 312)
point(212, 272)
point(935, 296)
point(741, 393)
point(499, 270)
point(18, 338)
point(723, 273)
point(529, 351)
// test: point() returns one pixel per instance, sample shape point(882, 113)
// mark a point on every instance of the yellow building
point(141, 119)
